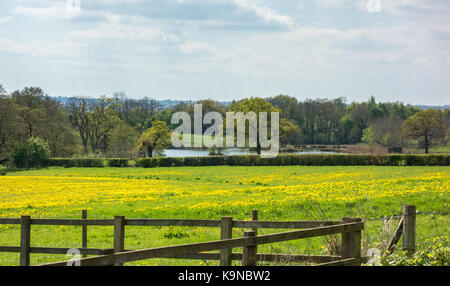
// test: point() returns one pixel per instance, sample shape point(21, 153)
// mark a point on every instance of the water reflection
point(174, 153)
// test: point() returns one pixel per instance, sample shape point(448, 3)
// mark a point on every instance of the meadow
point(279, 193)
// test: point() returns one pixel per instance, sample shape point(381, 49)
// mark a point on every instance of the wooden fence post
point(396, 238)
point(351, 242)
point(249, 252)
point(409, 229)
point(255, 218)
point(226, 232)
point(119, 236)
point(25, 241)
point(84, 243)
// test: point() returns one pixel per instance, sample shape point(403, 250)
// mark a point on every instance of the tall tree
point(79, 116)
point(209, 105)
point(123, 140)
point(256, 105)
point(57, 132)
point(103, 117)
point(288, 106)
point(156, 138)
point(426, 124)
point(136, 112)
point(289, 132)
point(8, 124)
point(95, 120)
point(385, 132)
point(29, 103)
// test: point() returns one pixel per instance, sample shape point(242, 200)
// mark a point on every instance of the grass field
point(279, 193)
point(432, 150)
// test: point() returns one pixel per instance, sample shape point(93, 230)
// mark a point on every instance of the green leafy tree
point(156, 138)
point(426, 125)
point(78, 108)
point(29, 108)
point(95, 120)
point(123, 140)
point(164, 115)
point(256, 105)
point(8, 122)
point(385, 132)
point(103, 117)
point(34, 153)
point(136, 112)
point(288, 106)
point(446, 120)
point(208, 105)
point(289, 132)
point(30, 113)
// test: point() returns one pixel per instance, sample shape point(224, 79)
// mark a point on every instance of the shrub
point(118, 163)
point(33, 154)
point(76, 163)
point(436, 252)
point(146, 163)
point(255, 160)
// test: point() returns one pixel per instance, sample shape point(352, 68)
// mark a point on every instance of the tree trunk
point(149, 152)
point(258, 145)
point(427, 144)
point(30, 129)
point(85, 148)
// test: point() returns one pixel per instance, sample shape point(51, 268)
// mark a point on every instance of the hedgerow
point(255, 160)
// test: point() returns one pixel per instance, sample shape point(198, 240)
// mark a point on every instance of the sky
point(395, 50)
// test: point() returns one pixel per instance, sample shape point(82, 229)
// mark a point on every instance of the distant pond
point(174, 153)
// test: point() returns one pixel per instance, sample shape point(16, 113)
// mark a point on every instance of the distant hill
point(433, 107)
point(168, 103)
point(171, 103)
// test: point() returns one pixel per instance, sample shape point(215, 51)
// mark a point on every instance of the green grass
point(279, 193)
point(433, 150)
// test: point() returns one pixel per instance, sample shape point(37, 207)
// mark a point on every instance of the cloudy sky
point(229, 49)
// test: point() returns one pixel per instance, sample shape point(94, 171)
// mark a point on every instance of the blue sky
point(229, 49)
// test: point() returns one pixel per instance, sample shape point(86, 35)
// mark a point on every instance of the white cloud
point(332, 3)
point(317, 55)
point(192, 47)
point(5, 19)
point(264, 12)
point(116, 30)
point(57, 10)
point(41, 49)
point(117, 1)
point(400, 6)
point(388, 6)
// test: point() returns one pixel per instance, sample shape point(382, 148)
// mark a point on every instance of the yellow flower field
point(279, 193)
point(48, 192)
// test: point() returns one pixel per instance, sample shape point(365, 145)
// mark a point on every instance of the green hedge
point(76, 163)
point(303, 160)
point(119, 163)
point(254, 160)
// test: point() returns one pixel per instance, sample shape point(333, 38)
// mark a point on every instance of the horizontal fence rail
point(172, 222)
point(171, 251)
point(118, 254)
point(57, 250)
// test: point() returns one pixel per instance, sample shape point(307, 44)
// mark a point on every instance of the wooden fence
point(349, 228)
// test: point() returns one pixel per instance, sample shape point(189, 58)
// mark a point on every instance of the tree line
point(118, 126)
